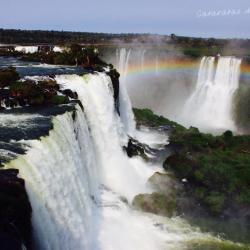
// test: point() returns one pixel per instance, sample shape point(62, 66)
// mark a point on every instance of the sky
point(209, 18)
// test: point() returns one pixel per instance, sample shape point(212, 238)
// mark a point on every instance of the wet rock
point(70, 93)
point(135, 148)
point(114, 75)
point(165, 183)
point(15, 211)
point(156, 203)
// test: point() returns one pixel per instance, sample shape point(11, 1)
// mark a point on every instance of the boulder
point(156, 203)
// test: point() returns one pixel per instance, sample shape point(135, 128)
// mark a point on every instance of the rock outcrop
point(15, 211)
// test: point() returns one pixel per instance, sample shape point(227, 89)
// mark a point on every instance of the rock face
point(114, 75)
point(135, 148)
point(164, 200)
point(15, 211)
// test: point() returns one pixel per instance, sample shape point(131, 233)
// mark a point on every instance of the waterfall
point(123, 56)
point(61, 180)
point(142, 59)
point(107, 131)
point(157, 65)
point(210, 105)
point(127, 116)
point(27, 49)
point(80, 182)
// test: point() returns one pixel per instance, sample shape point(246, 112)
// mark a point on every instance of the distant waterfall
point(210, 105)
point(143, 59)
point(156, 65)
point(123, 56)
point(27, 49)
point(127, 116)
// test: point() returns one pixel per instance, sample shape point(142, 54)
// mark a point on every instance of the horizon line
point(128, 33)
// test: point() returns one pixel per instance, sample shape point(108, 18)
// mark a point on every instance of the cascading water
point(156, 65)
point(127, 115)
point(123, 56)
point(78, 180)
point(210, 106)
point(143, 59)
point(61, 179)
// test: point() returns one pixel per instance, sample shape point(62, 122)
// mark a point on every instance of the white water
point(27, 49)
point(127, 115)
point(143, 59)
point(157, 65)
point(149, 85)
point(76, 177)
point(210, 105)
point(58, 49)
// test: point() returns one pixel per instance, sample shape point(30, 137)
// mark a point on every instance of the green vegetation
point(148, 118)
point(213, 244)
point(217, 168)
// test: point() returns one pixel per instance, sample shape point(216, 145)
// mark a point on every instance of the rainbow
point(166, 66)
point(245, 70)
point(172, 66)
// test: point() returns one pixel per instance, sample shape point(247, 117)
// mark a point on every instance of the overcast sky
point(182, 17)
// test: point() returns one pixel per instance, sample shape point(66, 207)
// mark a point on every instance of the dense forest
point(11, 36)
point(190, 46)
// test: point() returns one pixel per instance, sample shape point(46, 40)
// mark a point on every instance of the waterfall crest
point(210, 105)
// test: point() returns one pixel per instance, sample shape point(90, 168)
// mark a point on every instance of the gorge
point(80, 181)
